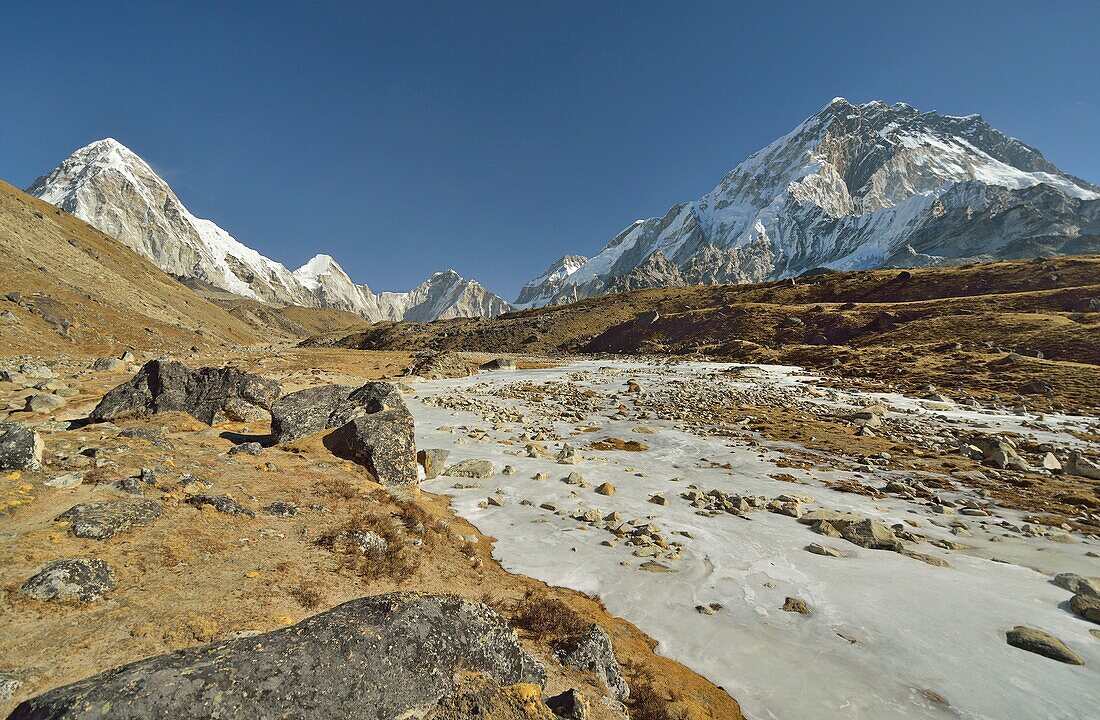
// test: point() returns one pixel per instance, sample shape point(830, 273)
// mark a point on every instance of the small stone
point(658, 499)
point(432, 461)
point(825, 550)
point(605, 489)
point(1078, 584)
point(569, 705)
point(1086, 606)
point(248, 448)
point(508, 470)
point(66, 481)
point(221, 503)
point(796, 605)
point(280, 508)
point(470, 469)
point(1042, 643)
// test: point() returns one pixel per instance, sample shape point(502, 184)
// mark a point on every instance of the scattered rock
point(221, 503)
point(825, 550)
point(44, 403)
point(108, 364)
point(569, 705)
point(1078, 584)
point(1042, 643)
point(605, 489)
point(248, 448)
point(67, 481)
point(1086, 606)
point(499, 364)
point(432, 461)
point(871, 534)
point(76, 578)
point(280, 508)
point(929, 559)
point(470, 469)
point(796, 605)
point(105, 519)
point(382, 657)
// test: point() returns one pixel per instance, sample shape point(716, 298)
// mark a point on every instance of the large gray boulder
point(383, 442)
point(20, 447)
point(105, 519)
point(76, 578)
point(591, 651)
point(170, 386)
point(312, 410)
point(375, 658)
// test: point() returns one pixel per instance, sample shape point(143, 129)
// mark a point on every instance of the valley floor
point(884, 634)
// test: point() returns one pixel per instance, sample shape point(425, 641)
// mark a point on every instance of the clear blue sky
point(492, 137)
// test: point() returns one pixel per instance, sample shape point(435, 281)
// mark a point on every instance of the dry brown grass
point(545, 617)
point(308, 593)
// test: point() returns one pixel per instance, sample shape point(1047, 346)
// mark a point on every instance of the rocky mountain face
point(111, 188)
point(852, 187)
point(546, 286)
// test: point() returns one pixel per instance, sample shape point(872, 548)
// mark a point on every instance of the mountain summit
point(851, 187)
point(110, 187)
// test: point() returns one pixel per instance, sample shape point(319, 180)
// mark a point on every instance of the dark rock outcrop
point(376, 658)
point(383, 442)
point(20, 447)
point(312, 410)
point(76, 578)
point(205, 394)
point(105, 519)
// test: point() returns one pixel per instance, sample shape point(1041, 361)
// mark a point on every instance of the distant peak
point(105, 145)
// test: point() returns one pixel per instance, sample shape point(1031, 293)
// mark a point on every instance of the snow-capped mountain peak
point(109, 186)
point(853, 186)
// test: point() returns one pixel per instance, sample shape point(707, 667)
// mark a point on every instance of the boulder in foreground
point(384, 443)
point(208, 394)
point(312, 410)
point(376, 658)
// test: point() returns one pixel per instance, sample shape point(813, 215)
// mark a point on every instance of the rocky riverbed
point(816, 550)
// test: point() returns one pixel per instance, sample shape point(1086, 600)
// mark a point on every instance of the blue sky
point(492, 137)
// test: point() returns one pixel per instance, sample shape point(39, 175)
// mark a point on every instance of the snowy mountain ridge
point(852, 187)
point(110, 187)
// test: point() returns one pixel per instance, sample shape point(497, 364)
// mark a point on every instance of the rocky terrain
point(816, 549)
point(1019, 331)
point(111, 188)
point(852, 186)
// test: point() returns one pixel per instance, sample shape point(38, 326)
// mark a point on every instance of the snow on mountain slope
point(853, 187)
point(108, 186)
point(445, 295)
point(546, 285)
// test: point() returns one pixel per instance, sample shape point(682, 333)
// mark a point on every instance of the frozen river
point(889, 636)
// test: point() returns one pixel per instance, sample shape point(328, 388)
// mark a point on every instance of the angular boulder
point(591, 651)
point(312, 410)
point(375, 658)
point(105, 519)
point(1086, 606)
point(382, 442)
point(499, 364)
point(76, 578)
point(871, 534)
point(20, 447)
point(170, 386)
point(432, 460)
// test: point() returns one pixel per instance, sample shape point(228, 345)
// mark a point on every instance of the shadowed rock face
point(374, 658)
point(312, 410)
point(206, 394)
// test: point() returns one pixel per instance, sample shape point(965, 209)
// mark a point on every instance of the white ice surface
point(916, 627)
